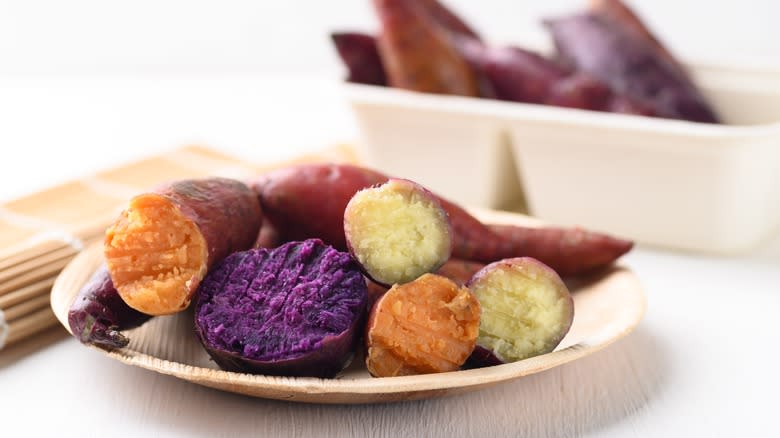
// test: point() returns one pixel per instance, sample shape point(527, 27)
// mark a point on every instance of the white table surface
point(703, 362)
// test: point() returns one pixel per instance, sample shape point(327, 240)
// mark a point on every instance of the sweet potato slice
point(427, 326)
point(397, 231)
point(526, 310)
point(163, 243)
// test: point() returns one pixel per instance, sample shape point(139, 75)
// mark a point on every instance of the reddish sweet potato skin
point(569, 251)
point(418, 53)
point(269, 237)
point(629, 64)
point(98, 313)
point(360, 55)
point(580, 90)
point(226, 211)
point(513, 74)
point(309, 201)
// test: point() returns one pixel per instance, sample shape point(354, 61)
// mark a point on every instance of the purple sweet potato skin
point(629, 64)
point(483, 356)
point(309, 201)
point(98, 313)
point(295, 310)
point(580, 90)
point(225, 210)
point(360, 55)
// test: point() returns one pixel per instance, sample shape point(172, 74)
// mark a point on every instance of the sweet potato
point(397, 231)
point(427, 326)
point(98, 313)
point(360, 55)
point(526, 311)
point(295, 310)
point(418, 53)
point(618, 11)
point(309, 201)
point(164, 242)
point(629, 65)
point(269, 236)
point(514, 74)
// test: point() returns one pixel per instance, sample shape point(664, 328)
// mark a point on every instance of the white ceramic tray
point(713, 188)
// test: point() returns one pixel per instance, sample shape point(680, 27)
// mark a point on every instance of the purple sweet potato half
point(295, 310)
point(98, 314)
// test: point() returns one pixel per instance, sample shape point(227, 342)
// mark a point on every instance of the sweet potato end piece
point(397, 232)
point(526, 309)
point(156, 255)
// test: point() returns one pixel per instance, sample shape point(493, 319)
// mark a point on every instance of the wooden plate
point(607, 307)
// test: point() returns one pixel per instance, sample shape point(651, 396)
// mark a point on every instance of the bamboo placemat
point(41, 233)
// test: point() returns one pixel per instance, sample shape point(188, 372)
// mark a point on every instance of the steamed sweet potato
point(629, 64)
point(360, 55)
point(513, 74)
point(526, 311)
point(164, 242)
point(98, 313)
point(419, 54)
point(397, 231)
point(427, 326)
point(295, 310)
point(309, 201)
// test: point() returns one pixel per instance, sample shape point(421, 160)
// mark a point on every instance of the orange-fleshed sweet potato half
point(429, 325)
point(163, 243)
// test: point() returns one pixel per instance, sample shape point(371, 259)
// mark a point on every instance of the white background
point(88, 84)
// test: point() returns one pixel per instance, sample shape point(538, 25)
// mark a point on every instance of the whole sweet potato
point(419, 54)
point(309, 201)
point(629, 64)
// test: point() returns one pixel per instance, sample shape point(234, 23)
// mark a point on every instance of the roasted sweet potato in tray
point(607, 59)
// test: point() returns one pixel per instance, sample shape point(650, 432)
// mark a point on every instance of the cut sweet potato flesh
point(426, 326)
point(397, 232)
point(156, 255)
point(524, 313)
